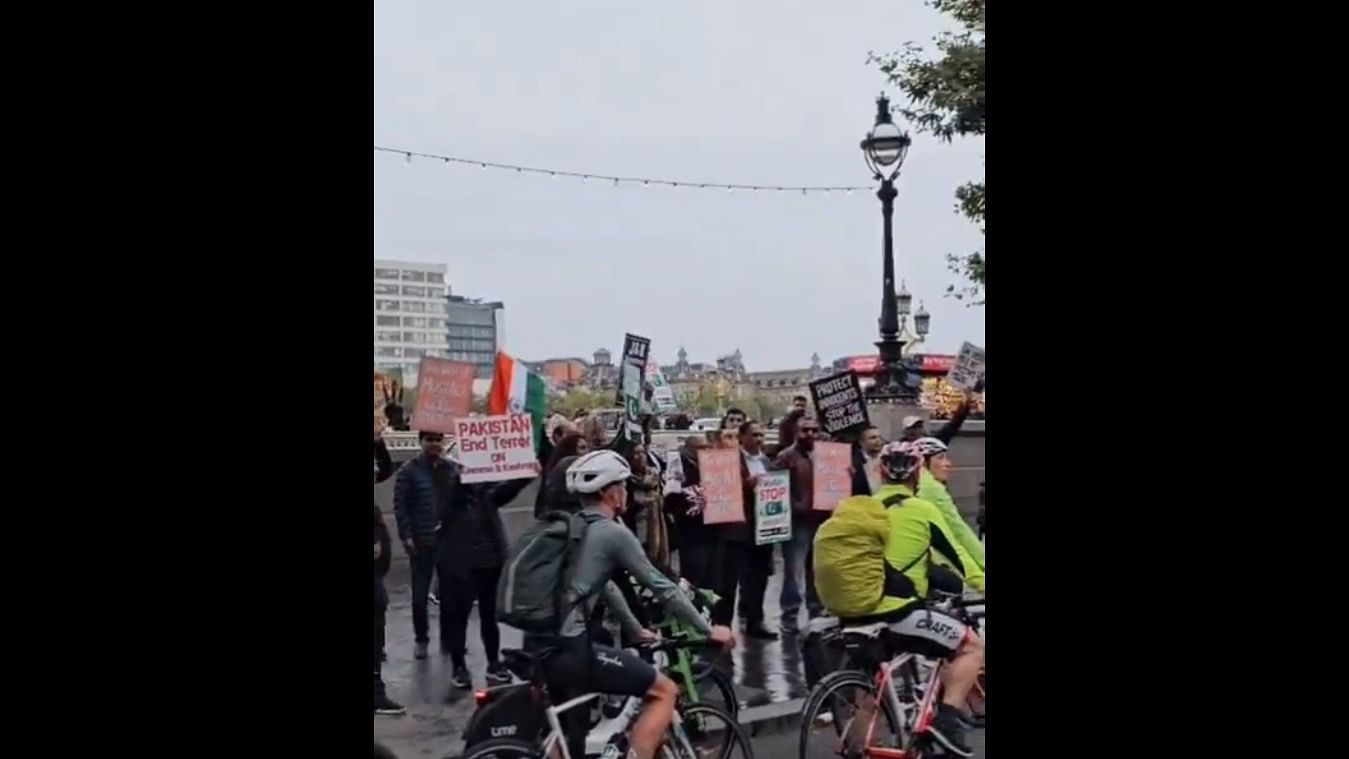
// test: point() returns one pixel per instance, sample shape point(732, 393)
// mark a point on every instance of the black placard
point(839, 403)
point(633, 360)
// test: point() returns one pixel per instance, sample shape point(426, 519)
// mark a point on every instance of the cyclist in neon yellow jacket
point(932, 488)
point(916, 529)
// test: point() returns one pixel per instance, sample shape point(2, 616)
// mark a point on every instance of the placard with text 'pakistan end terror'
point(839, 403)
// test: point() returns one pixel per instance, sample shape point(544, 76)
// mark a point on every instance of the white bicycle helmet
point(902, 458)
point(597, 470)
point(929, 446)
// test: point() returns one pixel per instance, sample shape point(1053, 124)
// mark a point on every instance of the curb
point(773, 718)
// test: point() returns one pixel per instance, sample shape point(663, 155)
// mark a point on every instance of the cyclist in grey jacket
point(609, 546)
point(577, 664)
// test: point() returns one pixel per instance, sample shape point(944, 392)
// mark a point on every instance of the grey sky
point(750, 91)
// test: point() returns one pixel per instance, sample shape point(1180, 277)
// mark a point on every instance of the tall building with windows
point(474, 331)
point(410, 314)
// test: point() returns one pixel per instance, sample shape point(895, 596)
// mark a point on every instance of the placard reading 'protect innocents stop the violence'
point(839, 403)
point(493, 448)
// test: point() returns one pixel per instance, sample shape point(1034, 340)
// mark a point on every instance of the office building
point(474, 331)
point(409, 314)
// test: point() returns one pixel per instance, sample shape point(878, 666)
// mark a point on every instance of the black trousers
point(424, 568)
point(744, 566)
point(381, 603)
point(456, 604)
point(754, 573)
point(698, 562)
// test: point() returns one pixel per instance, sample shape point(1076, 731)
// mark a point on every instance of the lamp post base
point(890, 385)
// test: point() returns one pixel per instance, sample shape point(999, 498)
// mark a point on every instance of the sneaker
point(383, 705)
point(947, 730)
point(461, 678)
point(420, 651)
point(497, 674)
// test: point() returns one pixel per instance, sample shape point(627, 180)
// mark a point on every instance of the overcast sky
point(750, 91)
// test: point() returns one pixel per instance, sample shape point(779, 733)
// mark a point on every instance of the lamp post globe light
point(885, 149)
point(922, 320)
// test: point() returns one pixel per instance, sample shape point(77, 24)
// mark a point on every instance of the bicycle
point(694, 676)
point(697, 731)
point(909, 687)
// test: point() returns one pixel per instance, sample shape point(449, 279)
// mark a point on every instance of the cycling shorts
point(927, 633)
point(582, 667)
point(917, 629)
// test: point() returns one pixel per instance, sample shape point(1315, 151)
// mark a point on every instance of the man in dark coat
point(383, 547)
point(467, 547)
point(473, 550)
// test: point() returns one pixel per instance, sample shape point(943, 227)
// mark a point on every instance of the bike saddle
point(869, 631)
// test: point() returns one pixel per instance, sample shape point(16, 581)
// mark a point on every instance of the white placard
point(969, 367)
point(493, 448)
point(773, 509)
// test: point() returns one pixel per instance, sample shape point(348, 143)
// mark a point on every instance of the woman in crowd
point(553, 493)
point(646, 510)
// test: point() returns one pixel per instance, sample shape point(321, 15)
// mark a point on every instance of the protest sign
point(633, 369)
point(839, 403)
point(773, 509)
point(493, 448)
point(968, 368)
point(719, 473)
point(832, 481)
point(444, 392)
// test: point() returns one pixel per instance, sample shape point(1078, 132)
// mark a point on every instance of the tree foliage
point(574, 400)
point(946, 99)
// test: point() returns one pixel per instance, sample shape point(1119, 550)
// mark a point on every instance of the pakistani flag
point(516, 390)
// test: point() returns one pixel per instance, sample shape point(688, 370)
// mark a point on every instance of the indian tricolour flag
point(516, 390)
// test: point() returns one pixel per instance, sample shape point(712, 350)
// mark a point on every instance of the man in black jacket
point(383, 469)
point(453, 530)
point(420, 493)
point(472, 553)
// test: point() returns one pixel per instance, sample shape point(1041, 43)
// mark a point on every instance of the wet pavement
point(768, 676)
point(763, 672)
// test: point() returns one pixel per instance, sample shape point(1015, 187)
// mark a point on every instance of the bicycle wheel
point(716, 689)
point(708, 732)
point(503, 748)
point(838, 714)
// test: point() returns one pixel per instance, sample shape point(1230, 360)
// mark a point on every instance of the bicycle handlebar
point(675, 643)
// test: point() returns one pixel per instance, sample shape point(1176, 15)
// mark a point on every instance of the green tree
point(574, 400)
point(946, 99)
point(707, 403)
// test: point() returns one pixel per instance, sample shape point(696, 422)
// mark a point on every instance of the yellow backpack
point(850, 557)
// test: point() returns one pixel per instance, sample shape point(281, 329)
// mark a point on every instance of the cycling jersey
point(607, 547)
point(917, 528)
point(932, 490)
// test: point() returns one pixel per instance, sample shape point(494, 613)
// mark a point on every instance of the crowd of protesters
point(453, 531)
